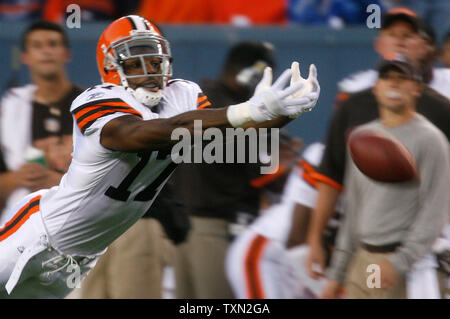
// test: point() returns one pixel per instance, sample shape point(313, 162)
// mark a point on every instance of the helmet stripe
point(138, 22)
point(133, 25)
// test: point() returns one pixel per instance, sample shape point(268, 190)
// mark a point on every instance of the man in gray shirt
point(389, 227)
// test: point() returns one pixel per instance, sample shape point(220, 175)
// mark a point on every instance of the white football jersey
point(105, 191)
point(275, 222)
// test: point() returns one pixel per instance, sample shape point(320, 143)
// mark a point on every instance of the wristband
point(239, 114)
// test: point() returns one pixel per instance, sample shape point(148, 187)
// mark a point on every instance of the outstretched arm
point(131, 133)
point(269, 107)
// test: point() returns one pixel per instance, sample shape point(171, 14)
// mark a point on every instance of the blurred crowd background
point(330, 33)
point(333, 13)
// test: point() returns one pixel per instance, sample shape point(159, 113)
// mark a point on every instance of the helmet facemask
point(140, 46)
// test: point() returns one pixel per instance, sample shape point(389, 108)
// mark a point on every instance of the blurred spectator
point(404, 32)
point(433, 12)
point(444, 56)
point(36, 125)
point(334, 13)
point(378, 229)
point(218, 197)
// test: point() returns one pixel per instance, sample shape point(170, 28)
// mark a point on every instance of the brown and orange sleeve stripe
point(20, 218)
point(202, 101)
point(312, 177)
point(87, 114)
point(264, 180)
point(307, 171)
point(326, 180)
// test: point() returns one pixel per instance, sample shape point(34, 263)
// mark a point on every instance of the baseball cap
point(407, 15)
point(401, 14)
point(400, 62)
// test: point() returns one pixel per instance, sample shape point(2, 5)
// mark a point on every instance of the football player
point(267, 260)
point(122, 137)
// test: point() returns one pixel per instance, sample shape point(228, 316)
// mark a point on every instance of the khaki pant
point(356, 283)
point(200, 261)
point(133, 265)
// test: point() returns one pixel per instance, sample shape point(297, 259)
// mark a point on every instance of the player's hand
point(315, 262)
point(389, 276)
point(273, 100)
point(331, 290)
point(310, 89)
point(303, 93)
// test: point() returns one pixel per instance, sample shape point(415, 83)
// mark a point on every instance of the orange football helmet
point(133, 37)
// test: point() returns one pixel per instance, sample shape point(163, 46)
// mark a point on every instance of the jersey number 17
point(122, 193)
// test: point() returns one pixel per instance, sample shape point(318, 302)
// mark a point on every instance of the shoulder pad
point(192, 89)
point(313, 153)
point(184, 84)
point(98, 93)
point(99, 101)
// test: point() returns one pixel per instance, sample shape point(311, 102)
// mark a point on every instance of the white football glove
point(310, 90)
point(269, 101)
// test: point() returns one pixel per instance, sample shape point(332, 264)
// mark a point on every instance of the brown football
point(381, 157)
